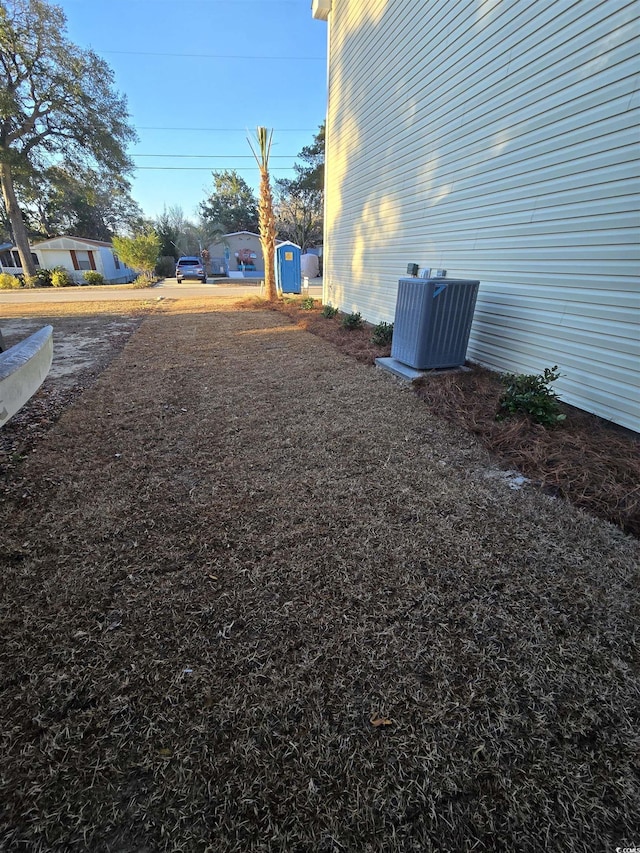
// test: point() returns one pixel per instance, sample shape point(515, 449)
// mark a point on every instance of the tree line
point(64, 167)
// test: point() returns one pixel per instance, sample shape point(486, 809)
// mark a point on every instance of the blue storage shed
point(288, 270)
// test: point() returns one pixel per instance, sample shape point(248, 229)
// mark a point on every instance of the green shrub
point(530, 394)
point(308, 304)
point(329, 311)
point(352, 321)
point(92, 277)
point(166, 266)
point(382, 334)
point(144, 281)
point(60, 277)
point(9, 282)
point(42, 278)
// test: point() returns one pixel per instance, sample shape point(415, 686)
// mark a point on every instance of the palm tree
point(266, 215)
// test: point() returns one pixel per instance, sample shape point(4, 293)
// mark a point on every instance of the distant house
point(237, 255)
point(10, 261)
point(497, 140)
point(75, 254)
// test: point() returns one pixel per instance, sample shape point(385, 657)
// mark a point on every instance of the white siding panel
point(498, 140)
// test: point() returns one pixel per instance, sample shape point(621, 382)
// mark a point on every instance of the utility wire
point(230, 129)
point(206, 168)
point(252, 57)
point(221, 156)
point(212, 2)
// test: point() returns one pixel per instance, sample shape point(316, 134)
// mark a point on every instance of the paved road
point(169, 288)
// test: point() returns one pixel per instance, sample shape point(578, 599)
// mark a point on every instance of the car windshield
point(188, 262)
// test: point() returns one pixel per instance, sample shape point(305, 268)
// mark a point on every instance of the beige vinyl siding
point(499, 140)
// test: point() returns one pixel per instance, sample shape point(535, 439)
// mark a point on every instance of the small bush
point(92, 277)
point(308, 304)
point(144, 281)
point(329, 311)
point(352, 321)
point(530, 394)
point(166, 266)
point(42, 278)
point(9, 282)
point(382, 334)
point(60, 277)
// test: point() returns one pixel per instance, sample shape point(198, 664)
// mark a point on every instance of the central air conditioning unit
point(433, 322)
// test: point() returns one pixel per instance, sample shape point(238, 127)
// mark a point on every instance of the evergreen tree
point(82, 202)
point(300, 205)
point(232, 205)
point(140, 252)
point(56, 101)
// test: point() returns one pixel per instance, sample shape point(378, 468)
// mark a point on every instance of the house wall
point(497, 140)
point(50, 258)
point(235, 243)
point(10, 260)
point(10, 270)
point(105, 263)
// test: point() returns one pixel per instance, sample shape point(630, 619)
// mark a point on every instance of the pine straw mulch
point(592, 463)
point(256, 597)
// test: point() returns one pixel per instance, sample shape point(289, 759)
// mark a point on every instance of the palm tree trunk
point(14, 213)
point(266, 215)
point(267, 236)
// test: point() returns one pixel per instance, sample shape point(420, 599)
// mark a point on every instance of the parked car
point(190, 266)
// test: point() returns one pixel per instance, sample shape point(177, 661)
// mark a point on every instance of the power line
point(212, 2)
point(215, 55)
point(230, 129)
point(221, 156)
point(205, 168)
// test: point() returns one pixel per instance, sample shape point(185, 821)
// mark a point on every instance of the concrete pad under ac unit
point(392, 365)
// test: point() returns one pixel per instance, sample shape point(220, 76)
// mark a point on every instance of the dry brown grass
point(256, 597)
point(77, 325)
point(52, 311)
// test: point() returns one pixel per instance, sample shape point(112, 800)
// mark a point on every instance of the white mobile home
point(497, 139)
point(78, 254)
point(75, 254)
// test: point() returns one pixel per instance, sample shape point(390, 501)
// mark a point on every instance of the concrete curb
point(23, 369)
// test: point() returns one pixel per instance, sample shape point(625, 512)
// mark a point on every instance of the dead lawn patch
point(87, 336)
point(255, 596)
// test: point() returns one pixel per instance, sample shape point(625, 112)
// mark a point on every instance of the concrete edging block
point(23, 369)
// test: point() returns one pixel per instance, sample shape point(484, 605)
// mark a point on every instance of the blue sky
point(215, 70)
